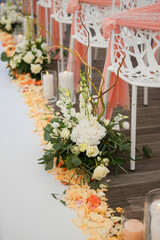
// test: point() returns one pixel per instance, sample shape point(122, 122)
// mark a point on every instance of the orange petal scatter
point(94, 214)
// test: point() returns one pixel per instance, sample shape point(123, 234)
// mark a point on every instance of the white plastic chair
point(145, 72)
point(47, 6)
point(62, 17)
point(92, 17)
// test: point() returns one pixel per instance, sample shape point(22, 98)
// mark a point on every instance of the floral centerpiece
point(29, 57)
point(83, 142)
point(10, 18)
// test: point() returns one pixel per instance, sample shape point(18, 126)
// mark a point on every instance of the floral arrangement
point(29, 57)
point(10, 18)
point(81, 141)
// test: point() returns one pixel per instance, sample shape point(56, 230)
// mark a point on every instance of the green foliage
point(4, 57)
point(147, 151)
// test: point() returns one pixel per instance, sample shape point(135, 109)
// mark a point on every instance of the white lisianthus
point(13, 64)
point(48, 58)
point(73, 112)
point(44, 46)
point(118, 118)
point(59, 103)
point(39, 60)
point(125, 125)
point(106, 122)
point(106, 161)
point(48, 146)
point(3, 20)
point(87, 131)
point(83, 147)
point(100, 172)
point(92, 151)
point(65, 133)
point(75, 150)
point(116, 127)
point(55, 125)
point(36, 68)
point(8, 27)
point(28, 58)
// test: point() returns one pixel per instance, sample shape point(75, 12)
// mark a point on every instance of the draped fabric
point(79, 47)
point(147, 18)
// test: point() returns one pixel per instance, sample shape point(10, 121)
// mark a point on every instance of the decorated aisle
point(27, 209)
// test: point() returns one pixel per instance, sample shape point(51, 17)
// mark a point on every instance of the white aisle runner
point(27, 209)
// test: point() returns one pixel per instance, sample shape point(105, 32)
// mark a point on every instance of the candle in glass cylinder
point(48, 88)
point(133, 230)
point(155, 228)
point(155, 208)
point(2, 8)
point(66, 80)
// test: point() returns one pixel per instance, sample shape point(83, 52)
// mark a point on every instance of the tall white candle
point(20, 38)
point(155, 208)
point(66, 80)
point(48, 87)
point(2, 8)
point(155, 228)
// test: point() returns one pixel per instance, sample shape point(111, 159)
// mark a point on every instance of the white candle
point(155, 228)
point(155, 208)
point(133, 230)
point(20, 38)
point(2, 8)
point(48, 88)
point(66, 81)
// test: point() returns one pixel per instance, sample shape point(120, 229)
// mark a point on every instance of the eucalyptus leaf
point(76, 161)
point(49, 166)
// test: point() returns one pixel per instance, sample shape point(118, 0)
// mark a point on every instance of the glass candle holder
point(152, 215)
point(49, 80)
point(66, 77)
point(133, 228)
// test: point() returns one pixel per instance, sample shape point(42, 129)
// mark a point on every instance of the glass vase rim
point(149, 194)
point(48, 70)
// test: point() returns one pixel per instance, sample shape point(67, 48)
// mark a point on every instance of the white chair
point(92, 17)
point(47, 6)
point(62, 17)
point(145, 72)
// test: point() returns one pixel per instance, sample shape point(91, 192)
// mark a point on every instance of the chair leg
point(90, 64)
point(133, 126)
point(61, 39)
point(145, 96)
point(46, 21)
point(37, 17)
point(107, 84)
point(51, 32)
point(95, 53)
point(71, 55)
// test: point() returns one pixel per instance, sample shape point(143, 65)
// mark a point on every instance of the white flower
point(116, 127)
point(48, 146)
point(98, 158)
point(13, 64)
point(39, 60)
point(90, 132)
point(101, 194)
point(59, 103)
point(65, 133)
point(100, 172)
point(118, 118)
point(35, 68)
point(92, 151)
point(106, 161)
point(8, 27)
point(75, 150)
point(38, 53)
point(44, 46)
point(125, 125)
point(83, 147)
point(106, 122)
point(55, 125)
point(28, 58)
point(73, 112)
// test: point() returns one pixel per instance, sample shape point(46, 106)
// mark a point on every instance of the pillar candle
point(2, 8)
point(155, 228)
point(66, 80)
point(133, 230)
point(48, 88)
point(155, 208)
point(20, 38)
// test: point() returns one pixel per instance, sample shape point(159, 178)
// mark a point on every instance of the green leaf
point(147, 151)
point(54, 195)
point(58, 145)
point(76, 161)
point(4, 57)
point(46, 136)
point(48, 128)
point(49, 165)
point(69, 164)
point(63, 202)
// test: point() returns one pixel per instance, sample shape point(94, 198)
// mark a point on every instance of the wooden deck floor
point(126, 189)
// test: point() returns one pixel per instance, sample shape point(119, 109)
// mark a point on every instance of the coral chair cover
point(147, 18)
point(80, 48)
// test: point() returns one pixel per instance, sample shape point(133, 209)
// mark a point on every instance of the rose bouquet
point(10, 19)
point(83, 142)
point(29, 57)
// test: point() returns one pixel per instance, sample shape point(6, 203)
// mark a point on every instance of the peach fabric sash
point(144, 18)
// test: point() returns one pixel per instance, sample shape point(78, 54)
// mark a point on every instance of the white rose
point(3, 20)
point(28, 58)
point(44, 46)
point(35, 68)
point(92, 151)
point(8, 27)
point(65, 133)
point(83, 147)
point(13, 64)
point(75, 150)
point(100, 172)
point(38, 53)
point(125, 125)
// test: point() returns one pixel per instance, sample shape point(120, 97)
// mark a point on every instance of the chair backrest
point(141, 56)
point(92, 17)
point(130, 4)
point(45, 3)
point(60, 11)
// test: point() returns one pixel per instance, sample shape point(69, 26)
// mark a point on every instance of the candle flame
point(20, 35)
point(65, 72)
point(2, 3)
point(47, 72)
point(158, 205)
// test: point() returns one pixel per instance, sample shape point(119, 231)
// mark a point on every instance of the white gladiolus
point(87, 131)
point(92, 151)
point(36, 68)
point(100, 172)
point(125, 125)
point(28, 58)
point(65, 133)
